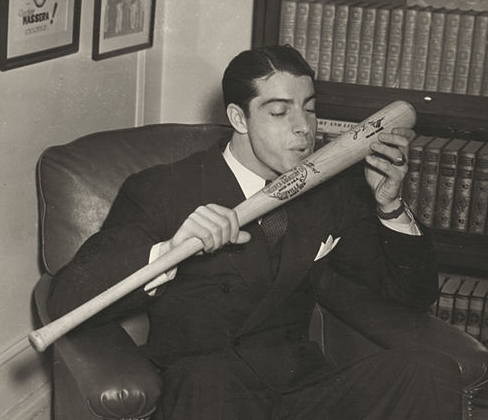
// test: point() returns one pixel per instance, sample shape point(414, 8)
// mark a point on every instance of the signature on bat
point(374, 124)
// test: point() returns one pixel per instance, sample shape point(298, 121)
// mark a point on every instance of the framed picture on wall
point(37, 30)
point(122, 26)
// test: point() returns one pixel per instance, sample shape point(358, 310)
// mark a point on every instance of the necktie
point(274, 225)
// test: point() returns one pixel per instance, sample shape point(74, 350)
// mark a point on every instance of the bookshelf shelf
point(444, 114)
point(439, 114)
point(462, 253)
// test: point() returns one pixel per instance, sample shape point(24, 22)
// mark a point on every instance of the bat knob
point(37, 341)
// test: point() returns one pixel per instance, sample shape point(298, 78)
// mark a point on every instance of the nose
point(301, 125)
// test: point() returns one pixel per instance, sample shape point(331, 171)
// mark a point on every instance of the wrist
point(393, 210)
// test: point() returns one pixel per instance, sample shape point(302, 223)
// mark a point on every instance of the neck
point(241, 148)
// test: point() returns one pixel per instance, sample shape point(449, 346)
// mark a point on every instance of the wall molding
point(11, 352)
point(36, 404)
point(140, 88)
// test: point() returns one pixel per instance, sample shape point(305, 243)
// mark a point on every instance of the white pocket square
point(326, 247)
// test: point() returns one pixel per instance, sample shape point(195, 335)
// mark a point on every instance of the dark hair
point(238, 83)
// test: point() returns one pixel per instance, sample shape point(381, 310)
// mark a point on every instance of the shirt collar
point(249, 182)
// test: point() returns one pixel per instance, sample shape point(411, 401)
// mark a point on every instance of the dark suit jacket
point(230, 299)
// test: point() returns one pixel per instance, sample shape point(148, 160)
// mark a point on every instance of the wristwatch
point(392, 214)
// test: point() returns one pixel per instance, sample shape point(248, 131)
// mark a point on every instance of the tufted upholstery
point(101, 374)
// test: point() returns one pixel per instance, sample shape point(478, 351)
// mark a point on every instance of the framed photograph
point(37, 30)
point(122, 26)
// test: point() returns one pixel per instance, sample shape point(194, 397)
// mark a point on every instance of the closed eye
point(278, 114)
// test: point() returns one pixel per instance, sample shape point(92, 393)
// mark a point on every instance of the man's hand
point(384, 170)
point(214, 225)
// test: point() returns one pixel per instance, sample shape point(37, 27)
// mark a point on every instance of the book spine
point(352, 44)
point(408, 47)
point(394, 49)
point(412, 179)
point(421, 49)
point(434, 55)
point(484, 87)
point(287, 22)
point(479, 204)
point(313, 36)
point(326, 41)
point(301, 26)
point(442, 278)
point(445, 193)
point(478, 57)
point(460, 312)
point(336, 127)
point(366, 46)
point(428, 187)
point(380, 47)
point(462, 193)
point(464, 48)
point(339, 43)
point(446, 307)
point(449, 52)
point(484, 324)
point(475, 313)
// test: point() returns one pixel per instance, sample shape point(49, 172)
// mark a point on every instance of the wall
point(49, 103)
point(41, 105)
point(197, 48)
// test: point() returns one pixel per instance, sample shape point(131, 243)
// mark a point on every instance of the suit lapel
point(220, 186)
point(306, 229)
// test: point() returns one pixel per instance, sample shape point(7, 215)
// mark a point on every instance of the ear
point(237, 118)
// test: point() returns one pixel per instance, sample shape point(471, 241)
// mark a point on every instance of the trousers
point(397, 384)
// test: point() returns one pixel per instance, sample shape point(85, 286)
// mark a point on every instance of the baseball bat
point(348, 149)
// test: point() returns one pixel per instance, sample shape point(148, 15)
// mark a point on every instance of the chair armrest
point(110, 372)
point(390, 324)
point(115, 378)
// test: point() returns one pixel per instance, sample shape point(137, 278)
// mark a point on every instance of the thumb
point(243, 237)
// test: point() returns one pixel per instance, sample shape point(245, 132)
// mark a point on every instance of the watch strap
point(392, 214)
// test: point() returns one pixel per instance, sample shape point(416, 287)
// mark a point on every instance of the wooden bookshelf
point(439, 114)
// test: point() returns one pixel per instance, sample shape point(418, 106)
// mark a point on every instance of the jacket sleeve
point(400, 267)
point(122, 246)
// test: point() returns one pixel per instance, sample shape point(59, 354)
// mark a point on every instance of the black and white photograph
point(122, 26)
point(244, 209)
point(37, 30)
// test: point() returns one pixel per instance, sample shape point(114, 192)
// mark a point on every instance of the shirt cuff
point(406, 228)
point(156, 251)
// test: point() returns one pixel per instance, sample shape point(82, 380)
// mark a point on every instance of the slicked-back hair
point(238, 83)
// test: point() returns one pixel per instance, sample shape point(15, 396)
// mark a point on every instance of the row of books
point(463, 302)
point(447, 183)
point(446, 186)
point(422, 48)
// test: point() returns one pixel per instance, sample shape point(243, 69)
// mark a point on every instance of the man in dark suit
point(229, 331)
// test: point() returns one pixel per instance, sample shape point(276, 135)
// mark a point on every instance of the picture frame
point(122, 26)
point(37, 30)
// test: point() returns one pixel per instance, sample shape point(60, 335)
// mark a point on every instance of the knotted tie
point(274, 225)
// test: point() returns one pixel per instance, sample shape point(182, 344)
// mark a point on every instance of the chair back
point(78, 181)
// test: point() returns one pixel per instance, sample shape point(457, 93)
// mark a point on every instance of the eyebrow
point(286, 101)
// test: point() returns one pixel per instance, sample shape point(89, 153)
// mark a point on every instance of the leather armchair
point(101, 374)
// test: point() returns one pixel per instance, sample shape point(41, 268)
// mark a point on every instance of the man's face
point(282, 123)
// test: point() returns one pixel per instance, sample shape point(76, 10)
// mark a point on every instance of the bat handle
point(43, 337)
